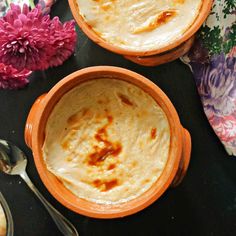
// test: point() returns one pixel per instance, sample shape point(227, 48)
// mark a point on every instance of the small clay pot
point(173, 173)
point(155, 57)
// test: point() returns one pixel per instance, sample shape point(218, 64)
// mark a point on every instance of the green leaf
point(212, 40)
point(229, 7)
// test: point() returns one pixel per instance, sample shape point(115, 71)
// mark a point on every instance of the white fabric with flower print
point(213, 62)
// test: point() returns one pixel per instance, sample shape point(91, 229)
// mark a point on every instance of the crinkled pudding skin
point(107, 141)
point(140, 25)
point(3, 223)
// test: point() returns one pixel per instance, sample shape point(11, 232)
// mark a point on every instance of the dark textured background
point(204, 204)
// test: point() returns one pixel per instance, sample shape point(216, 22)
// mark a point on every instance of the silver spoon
point(13, 162)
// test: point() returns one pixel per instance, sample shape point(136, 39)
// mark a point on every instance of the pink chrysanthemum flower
point(63, 40)
point(25, 38)
point(10, 78)
point(30, 40)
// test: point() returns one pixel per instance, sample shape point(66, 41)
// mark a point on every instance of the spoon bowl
point(13, 162)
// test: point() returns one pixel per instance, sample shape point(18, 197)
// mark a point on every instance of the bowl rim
point(8, 216)
point(87, 29)
point(59, 191)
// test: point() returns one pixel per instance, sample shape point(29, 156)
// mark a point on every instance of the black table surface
point(205, 202)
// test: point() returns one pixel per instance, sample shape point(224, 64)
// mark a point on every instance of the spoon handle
point(62, 223)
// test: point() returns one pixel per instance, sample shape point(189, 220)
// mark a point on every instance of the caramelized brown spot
point(109, 149)
point(110, 119)
point(125, 100)
point(134, 163)
point(69, 158)
point(111, 166)
point(105, 185)
point(73, 119)
point(97, 183)
point(179, 1)
point(65, 145)
point(101, 132)
point(85, 111)
point(161, 19)
point(89, 26)
point(103, 101)
point(101, 155)
point(106, 6)
point(165, 17)
point(145, 181)
point(110, 184)
point(153, 133)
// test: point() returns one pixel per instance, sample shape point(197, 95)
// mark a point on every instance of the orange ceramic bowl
point(179, 153)
point(155, 57)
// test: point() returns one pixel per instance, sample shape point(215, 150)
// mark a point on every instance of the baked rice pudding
point(107, 141)
point(139, 25)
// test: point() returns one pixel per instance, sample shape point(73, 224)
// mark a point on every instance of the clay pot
point(159, 56)
point(173, 173)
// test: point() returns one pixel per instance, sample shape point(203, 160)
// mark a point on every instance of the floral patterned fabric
point(212, 60)
point(4, 5)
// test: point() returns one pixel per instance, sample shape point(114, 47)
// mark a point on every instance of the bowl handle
point(185, 158)
point(30, 120)
point(165, 57)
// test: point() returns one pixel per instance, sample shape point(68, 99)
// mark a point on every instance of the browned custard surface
point(107, 141)
point(140, 25)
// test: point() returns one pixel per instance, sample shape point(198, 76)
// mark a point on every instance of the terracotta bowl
point(153, 57)
point(173, 173)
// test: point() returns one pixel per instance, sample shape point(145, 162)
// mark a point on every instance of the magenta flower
point(63, 40)
point(30, 40)
point(10, 78)
point(25, 38)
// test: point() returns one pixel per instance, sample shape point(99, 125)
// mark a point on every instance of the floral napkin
point(212, 60)
point(4, 4)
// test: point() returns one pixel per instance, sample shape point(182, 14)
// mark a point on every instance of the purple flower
point(198, 53)
point(63, 40)
point(24, 41)
point(30, 40)
point(10, 78)
point(216, 82)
